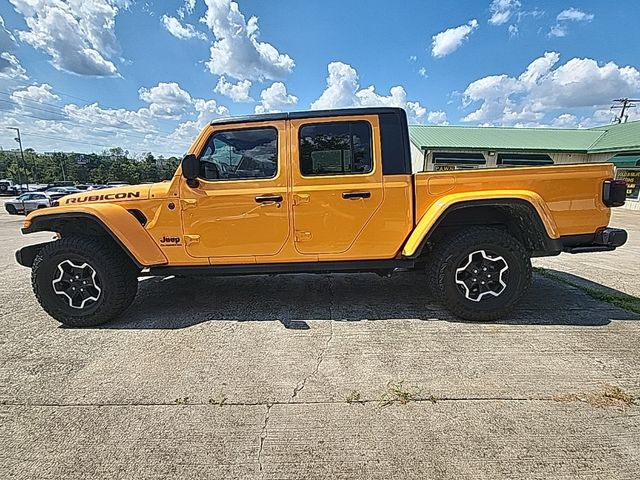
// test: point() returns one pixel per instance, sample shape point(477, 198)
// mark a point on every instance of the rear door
point(337, 181)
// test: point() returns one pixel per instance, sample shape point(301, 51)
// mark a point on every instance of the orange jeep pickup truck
point(319, 192)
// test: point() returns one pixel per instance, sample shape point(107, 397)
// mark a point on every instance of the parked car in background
point(7, 187)
point(27, 202)
point(57, 193)
point(117, 184)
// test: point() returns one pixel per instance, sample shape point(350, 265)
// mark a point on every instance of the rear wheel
point(83, 282)
point(479, 273)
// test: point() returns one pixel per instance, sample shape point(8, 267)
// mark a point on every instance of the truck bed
point(571, 194)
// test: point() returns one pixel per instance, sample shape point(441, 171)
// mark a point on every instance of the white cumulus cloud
point(565, 120)
point(187, 8)
point(179, 30)
point(275, 99)
point(503, 10)
point(166, 100)
point(561, 28)
point(582, 85)
point(94, 115)
point(447, 42)
point(574, 15)
point(78, 35)
point(10, 67)
point(35, 93)
point(238, 92)
point(343, 91)
point(185, 132)
point(437, 118)
point(237, 51)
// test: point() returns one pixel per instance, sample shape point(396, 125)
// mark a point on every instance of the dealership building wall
point(438, 148)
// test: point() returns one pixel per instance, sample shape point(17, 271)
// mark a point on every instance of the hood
point(107, 195)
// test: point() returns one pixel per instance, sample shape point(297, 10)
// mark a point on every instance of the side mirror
point(191, 169)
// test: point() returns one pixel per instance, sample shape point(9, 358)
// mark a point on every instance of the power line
point(106, 129)
point(76, 123)
point(60, 111)
point(90, 128)
point(51, 137)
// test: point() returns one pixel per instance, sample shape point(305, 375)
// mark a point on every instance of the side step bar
point(383, 267)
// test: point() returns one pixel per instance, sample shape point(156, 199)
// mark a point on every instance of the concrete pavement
point(345, 376)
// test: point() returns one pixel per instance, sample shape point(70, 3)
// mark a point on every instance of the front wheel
point(480, 273)
point(83, 282)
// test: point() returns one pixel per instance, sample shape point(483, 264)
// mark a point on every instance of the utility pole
point(623, 104)
point(26, 175)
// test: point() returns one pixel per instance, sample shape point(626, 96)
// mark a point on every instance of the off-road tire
point(448, 254)
point(117, 275)
point(12, 210)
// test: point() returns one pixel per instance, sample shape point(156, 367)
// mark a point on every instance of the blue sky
point(85, 74)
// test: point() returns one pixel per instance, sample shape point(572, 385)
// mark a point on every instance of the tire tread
point(121, 278)
point(441, 257)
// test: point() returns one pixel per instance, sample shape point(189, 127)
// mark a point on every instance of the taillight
point(614, 192)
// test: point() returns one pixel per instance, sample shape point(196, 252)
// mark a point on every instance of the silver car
point(27, 202)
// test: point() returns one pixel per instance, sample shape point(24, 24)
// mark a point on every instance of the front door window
point(241, 155)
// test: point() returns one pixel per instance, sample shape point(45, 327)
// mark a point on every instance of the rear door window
point(339, 148)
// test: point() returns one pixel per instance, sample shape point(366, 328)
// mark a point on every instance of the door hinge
point(188, 203)
point(300, 198)
point(189, 239)
point(303, 236)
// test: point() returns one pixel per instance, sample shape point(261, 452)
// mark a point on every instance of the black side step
point(356, 266)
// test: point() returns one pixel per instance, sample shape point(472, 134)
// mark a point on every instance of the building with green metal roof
point(455, 147)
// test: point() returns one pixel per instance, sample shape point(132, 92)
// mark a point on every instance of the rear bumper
point(603, 240)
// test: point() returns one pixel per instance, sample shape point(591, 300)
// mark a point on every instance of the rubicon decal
point(104, 196)
point(170, 241)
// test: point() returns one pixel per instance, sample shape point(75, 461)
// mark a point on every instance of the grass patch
point(397, 392)
point(616, 394)
point(610, 396)
point(620, 300)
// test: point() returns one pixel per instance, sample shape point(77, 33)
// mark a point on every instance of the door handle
point(269, 198)
point(352, 195)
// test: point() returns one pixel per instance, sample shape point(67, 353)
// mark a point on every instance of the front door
point(239, 207)
point(337, 181)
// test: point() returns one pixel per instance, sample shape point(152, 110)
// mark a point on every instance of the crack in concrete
point(298, 388)
point(263, 437)
point(300, 385)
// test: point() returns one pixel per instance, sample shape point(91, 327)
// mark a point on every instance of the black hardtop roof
point(342, 112)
